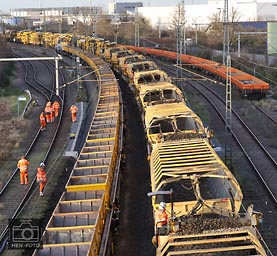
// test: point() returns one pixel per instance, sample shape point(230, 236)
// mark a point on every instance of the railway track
point(259, 157)
point(65, 223)
point(91, 187)
point(274, 121)
point(14, 197)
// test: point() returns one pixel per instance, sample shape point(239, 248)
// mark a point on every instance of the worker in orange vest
point(73, 110)
point(23, 164)
point(41, 178)
point(42, 121)
point(161, 217)
point(48, 111)
point(56, 106)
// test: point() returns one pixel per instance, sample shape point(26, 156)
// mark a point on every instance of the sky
point(6, 5)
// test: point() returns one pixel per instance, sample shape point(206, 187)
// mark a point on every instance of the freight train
point(83, 214)
point(247, 84)
point(190, 184)
point(189, 181)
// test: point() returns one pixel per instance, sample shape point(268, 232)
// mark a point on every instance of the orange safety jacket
point(56, 105)
point(23, 164)
point(42, 118)
point(161, 218)
point(41, 174)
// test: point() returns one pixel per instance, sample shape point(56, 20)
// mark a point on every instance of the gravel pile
point(206, 225)
point(198, 224)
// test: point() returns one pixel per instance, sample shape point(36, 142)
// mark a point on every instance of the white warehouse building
point(200, 11)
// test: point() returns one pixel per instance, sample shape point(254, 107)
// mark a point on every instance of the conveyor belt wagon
point(203, 200)
point(77, 223)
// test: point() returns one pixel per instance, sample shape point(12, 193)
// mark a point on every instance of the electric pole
point(180, 39)
point(137, 28)
point(228, 93)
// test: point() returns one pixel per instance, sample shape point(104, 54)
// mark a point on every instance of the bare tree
point(216, 26)
point(178, 17)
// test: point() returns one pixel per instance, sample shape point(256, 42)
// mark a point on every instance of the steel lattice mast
point(180, 36)
point(228, 107)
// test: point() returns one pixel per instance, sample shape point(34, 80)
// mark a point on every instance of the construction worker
point(23, 164)
point(161, 219)
point(41, 178)
point(56, 106)
point(42, 121)
point(73, 110)
point(48, 111)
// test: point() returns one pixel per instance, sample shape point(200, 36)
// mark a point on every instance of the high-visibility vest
point(56, 105)
point(41, 174)
point(42, 117)
point(23, 164)
point(161, 218)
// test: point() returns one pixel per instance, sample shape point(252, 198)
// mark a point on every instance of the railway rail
point(14, 196)
point(77, 223)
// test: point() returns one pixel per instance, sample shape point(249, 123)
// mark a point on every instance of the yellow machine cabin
point(124, 61)
point(107, 55)
point(172, 121)
point(150, 77)
point(119, 54)
point(160, 93)
point(139, 67)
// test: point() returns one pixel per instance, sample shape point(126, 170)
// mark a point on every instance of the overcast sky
point(6, 5)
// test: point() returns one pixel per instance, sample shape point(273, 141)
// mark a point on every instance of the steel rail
point(23, 202)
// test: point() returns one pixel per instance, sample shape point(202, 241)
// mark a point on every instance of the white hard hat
point(42, 165)
point(162, 205)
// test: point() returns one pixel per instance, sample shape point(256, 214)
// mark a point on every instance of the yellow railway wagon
point(160, 93)
point(196, 164)
point(124, 61)
point(241, 241)
point(172, 121)
point(203, 200)
point(36, 38)
point(118, 54)
point(111, 50)
point(150, 77)
point(139, 67)
point(77, 224)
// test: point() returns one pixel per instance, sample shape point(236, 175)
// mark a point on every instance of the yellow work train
point(80, 222)
point(199, 194)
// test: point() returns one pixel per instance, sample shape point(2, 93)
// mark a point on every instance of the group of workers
point(23, 165)
point(52, 110)
point(48, 115)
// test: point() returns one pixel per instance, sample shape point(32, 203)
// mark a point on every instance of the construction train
point(202, 197)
